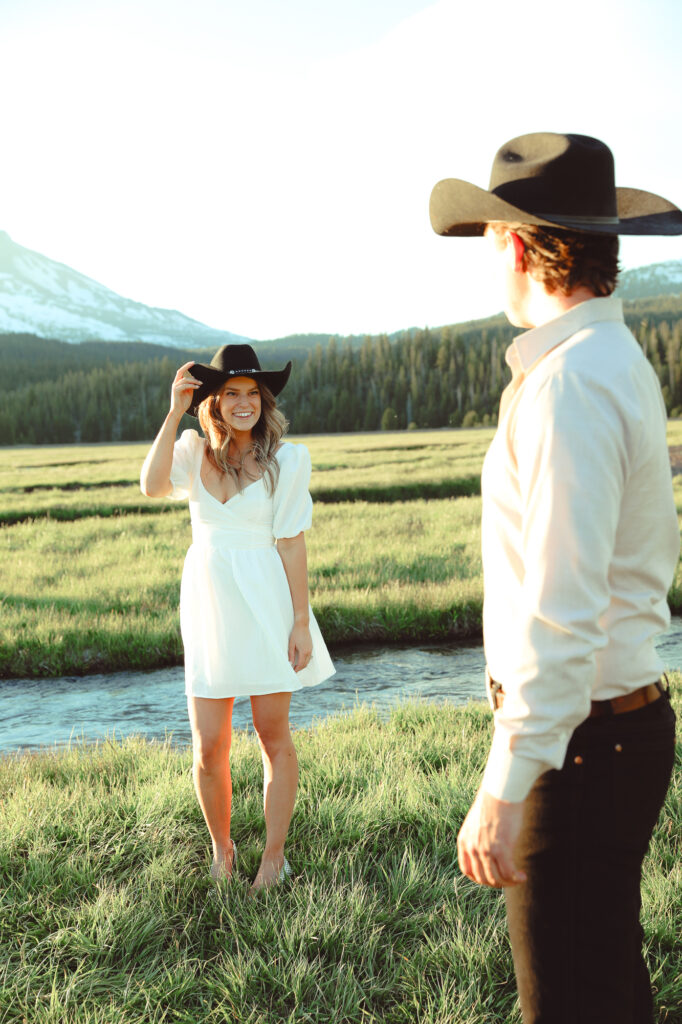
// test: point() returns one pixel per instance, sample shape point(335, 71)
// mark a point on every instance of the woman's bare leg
point(280, 779)
point(211, 721)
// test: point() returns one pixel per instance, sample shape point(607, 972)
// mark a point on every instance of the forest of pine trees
point(452, 376)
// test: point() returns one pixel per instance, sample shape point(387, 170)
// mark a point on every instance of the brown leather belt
point(616, 706)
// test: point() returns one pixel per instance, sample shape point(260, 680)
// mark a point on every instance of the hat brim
point(458, 208)
point(214, 379)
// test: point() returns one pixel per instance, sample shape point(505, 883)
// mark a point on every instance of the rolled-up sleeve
point(572, 462)
point(293, 506)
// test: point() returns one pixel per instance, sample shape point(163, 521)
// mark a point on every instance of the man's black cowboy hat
point(234, 361)
point(556, 181)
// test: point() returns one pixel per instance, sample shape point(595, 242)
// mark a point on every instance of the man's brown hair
point(566, 260)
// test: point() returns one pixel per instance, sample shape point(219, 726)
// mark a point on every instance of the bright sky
point(265, 166)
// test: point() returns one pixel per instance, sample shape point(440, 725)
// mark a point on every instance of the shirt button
point(577, 760)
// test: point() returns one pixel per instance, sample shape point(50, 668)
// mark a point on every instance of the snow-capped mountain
point(652, 281)
point(43, 297)
point(40, 296)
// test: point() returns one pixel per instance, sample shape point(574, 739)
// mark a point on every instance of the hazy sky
point(265, 165)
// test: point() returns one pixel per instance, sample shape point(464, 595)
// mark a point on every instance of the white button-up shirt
point(580, 536)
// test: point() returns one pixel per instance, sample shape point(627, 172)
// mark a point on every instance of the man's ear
point(517, 251)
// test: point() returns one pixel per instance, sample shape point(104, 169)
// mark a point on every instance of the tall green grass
point(103, 594)
point(107, 915)
point(92, 569)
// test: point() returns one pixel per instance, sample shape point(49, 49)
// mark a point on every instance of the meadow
point(95, 567)
point(107, 914)
point(79, 481)
point(92, 568)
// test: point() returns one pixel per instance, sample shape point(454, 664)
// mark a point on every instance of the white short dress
point(236, 613)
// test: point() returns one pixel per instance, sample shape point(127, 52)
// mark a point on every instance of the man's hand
point(486, 840)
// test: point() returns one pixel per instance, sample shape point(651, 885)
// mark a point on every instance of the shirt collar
point(532, 345)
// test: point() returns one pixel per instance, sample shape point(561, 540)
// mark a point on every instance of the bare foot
point(222, 867)
point(271, 871)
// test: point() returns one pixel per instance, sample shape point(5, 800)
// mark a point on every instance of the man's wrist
point(507, 775)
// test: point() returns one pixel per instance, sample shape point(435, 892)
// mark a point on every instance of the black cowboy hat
point(557, 181)
point(234, 361)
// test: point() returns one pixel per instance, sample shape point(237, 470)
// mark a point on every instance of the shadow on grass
point(70, 485)
point(70, 514)
point(463, 487)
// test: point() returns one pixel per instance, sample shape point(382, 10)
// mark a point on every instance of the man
point(580, 541)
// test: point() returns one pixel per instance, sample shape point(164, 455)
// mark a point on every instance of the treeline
point(452, 376)
point(425, 379)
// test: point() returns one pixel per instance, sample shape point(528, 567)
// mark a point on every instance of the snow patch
point(43, 297)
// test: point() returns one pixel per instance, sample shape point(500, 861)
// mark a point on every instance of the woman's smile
point(240, 403)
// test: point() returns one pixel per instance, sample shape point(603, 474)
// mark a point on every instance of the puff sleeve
point(184, 466)
point(293, 506)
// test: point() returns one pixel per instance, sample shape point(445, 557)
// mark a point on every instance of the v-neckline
point(233, 496)
point(243, 491)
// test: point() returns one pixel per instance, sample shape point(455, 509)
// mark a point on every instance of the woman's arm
point(155, 479)
point(292, 551)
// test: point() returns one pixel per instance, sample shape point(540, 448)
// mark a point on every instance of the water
point(39, 712)
point(46, 712)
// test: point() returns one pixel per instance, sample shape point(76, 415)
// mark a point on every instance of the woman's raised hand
point(182, 389)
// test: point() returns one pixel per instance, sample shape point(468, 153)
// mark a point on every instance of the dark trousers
point(574, 925)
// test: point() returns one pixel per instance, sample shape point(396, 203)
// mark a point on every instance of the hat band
point(242, 373)
point(576, 220)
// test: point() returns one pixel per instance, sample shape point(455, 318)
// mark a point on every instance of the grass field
point(94, 568)
point(106, 912)
point(107, 915)
point(102, 594)
point(95, 480)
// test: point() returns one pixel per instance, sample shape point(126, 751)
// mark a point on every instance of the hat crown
point(234, 359)
point(549, 173)
point(563, 182)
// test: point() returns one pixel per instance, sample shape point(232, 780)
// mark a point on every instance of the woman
point(247, 627)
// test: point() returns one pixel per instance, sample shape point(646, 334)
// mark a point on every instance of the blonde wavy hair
point(271, 427)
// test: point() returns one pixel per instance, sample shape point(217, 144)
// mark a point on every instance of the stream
point(37, 713)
